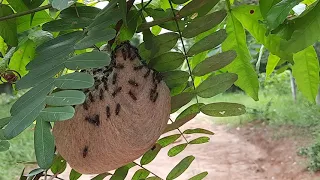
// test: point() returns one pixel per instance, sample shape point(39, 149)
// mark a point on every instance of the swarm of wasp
point(124, 114)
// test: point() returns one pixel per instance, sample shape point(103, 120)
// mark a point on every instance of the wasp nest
point(123, 116)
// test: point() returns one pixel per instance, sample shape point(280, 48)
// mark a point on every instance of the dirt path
point(234, 155)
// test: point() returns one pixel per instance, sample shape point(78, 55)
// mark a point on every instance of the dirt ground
point(244, 153)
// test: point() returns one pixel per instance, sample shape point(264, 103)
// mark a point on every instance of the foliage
point(47, 49)
point(313, 154)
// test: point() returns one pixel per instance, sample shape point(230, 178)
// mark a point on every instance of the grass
point(21, 149)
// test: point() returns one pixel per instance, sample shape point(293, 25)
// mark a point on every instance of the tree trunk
point(293, 87)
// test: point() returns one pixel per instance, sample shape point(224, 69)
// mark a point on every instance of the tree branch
point(119, 24)
point(25, 12)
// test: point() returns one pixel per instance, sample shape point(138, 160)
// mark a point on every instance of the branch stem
point(183, 46)
point(147, 170)
point(180, 132)
point(25, 12)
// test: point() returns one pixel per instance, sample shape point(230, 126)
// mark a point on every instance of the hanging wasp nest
point(123, 116)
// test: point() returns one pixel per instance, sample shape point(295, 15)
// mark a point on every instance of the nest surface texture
point(123, 116)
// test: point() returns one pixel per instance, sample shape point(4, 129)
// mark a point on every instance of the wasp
point(136, 68)
point(133, 83)
point(85, 151)
point(155, 97)
point(114, 78)
point(119, 66)
point(95, 120)
point(133, 57)
point(101, 95)
point(116, 91)
point(91, 97)
point(132, 95)
point(147, 73)
point(108, 111)
point(105, 85)
point(85, 105)
point(118, 109)
point(124, 53)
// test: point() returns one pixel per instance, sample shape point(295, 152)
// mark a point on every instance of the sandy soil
point(247, 153)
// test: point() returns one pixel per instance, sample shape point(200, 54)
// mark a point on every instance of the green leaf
point(305, 31)
point(4, 145)
point(194, 6)
point(200, 140)
point(92, 59)
point(24, 118)
point(64, 98)
point(167, 61)
point(22, 57)
point(208, 42)
point(27, 22)
point(150, 155)
point(236, 40)
point(74, 175)
point(59, 165)
point(40, 91)
point(8, 28)
point(223, 109)
point(123, 9)
point(35, 172)
point(306, 72)
point(62, 4)
point(177, 149)
point(79, 12)
point(53, 114)
point(95, 36)
point(106, 19)
point(191, 111)
point(165, 141)
point(175, 78)
point(265, 6)
point(127, 32)
point(101, 176)
point(180, 167)
point(2, 136)
point(279, 12)
point(54, 50)
point(44, 144)
point(198, 130)
point(121, 173)
point(4, 121)
point(214, 63)
point(161, 44)
point(273, 60)
point(159, 15)
point(199, 176)
point(74, 80)
point(40, 75)
point(3, 46)
point(140, 174)
point(202, 24)
point(251, 22)
point(180, 100)
point(216, 84)
point(66, 24)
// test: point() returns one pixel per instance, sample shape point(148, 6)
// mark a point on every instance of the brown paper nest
point(98, 140)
